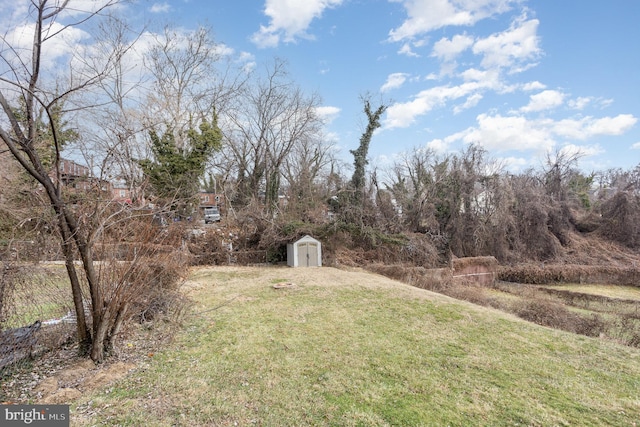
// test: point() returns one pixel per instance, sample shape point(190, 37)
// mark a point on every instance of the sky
point(519, 78)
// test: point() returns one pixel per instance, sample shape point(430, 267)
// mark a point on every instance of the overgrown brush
point(548, 313)
point(563, 273)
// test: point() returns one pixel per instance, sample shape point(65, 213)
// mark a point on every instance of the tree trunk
point(100, 328)
point(84, 338)
point(115, 329)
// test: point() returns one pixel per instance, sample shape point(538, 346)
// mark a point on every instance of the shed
point(304, 252)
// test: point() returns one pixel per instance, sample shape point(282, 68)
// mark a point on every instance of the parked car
point(211, 214)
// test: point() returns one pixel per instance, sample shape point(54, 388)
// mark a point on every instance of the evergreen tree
point(175, 174)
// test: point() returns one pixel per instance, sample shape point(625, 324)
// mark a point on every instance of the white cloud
point(401, 115)
point(579, 103)
point(636, 146)
point(290, 20)
point(248, 61)
point(588, 127)
point(324, 67)
point(160, 8)
point(334, 139)
point(471, 102)
point(581, 150)
point(404, 114)
point(448, 49)
point(246, 57)
point(514, 164)
point(223, 50)
point(438, 146)
point(518, 133)
point(67, 42)
point(513, 49)
point(475, 75)
point(604, 103)
point(407, 50)
point(545, 100)
point(441, 146)
point(428, 15)
point(394, 81)
point(531, 86)
point(327, 113)
point(610, 125)
point(12, 12)
point(506, 133)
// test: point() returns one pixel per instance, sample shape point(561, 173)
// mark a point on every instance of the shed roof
point(306, 238)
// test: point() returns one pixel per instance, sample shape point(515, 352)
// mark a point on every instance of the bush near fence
point(471, 270)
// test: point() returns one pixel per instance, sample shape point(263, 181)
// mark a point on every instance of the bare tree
point(304, 171)
point(189, 80)
point(24, 84)
point(113, 147)
point(559, 167)
point(412, 184)
point(271, 117)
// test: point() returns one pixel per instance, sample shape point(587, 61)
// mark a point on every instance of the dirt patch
point(61, 376)
point(57, 379)
point(83, 376)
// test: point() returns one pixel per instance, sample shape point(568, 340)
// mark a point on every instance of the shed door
point(308, 254)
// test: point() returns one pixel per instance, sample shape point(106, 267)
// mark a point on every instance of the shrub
point(555, 315)
point(621, 219)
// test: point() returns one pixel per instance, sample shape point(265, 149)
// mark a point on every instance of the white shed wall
point(310, 246)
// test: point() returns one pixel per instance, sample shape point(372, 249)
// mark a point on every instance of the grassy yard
point(354, 349)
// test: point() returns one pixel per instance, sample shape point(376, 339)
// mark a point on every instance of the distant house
point(74, 175)
point(208, 199)
point(121, 193)
point(69, 168)
point(78, 178)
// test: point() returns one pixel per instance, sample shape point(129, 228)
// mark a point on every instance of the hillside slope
point(335, 347)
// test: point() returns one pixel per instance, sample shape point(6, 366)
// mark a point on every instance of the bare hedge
point(567, 273)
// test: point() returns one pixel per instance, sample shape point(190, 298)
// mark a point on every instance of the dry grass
point(609, 291)
point(351, 348)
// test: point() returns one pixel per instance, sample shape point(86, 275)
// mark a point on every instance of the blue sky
point(518, 77)
point(521, 78)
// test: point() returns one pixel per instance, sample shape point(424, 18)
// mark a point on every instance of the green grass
point(39, 293)
point(354, 349)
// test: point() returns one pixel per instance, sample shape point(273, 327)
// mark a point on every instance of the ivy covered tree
point(360, 154)
point(351, 200)
point(174, 174)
